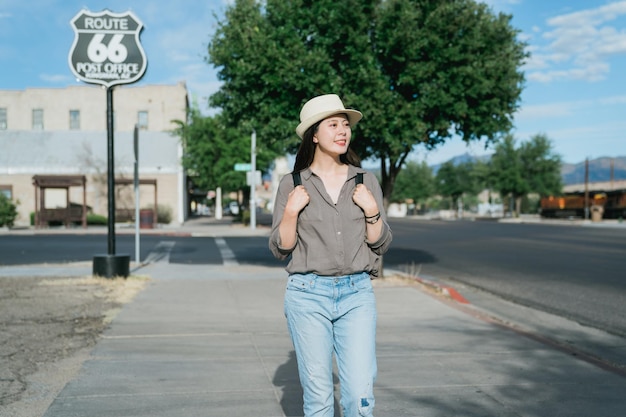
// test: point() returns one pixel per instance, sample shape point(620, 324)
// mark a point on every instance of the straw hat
point(321, 107)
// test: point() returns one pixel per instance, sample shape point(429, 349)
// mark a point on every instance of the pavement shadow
point(286, 378)
point(398, 258)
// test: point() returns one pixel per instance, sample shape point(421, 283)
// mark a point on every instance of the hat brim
point(353, 116)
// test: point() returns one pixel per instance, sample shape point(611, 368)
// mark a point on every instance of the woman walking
point(329, 217)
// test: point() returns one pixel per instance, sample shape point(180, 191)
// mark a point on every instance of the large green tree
point(421, 71)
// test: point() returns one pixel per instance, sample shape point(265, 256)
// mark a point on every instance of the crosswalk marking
point(161, 253)
point(227, 254)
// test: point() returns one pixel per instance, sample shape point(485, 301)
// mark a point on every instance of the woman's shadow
point(286, 377)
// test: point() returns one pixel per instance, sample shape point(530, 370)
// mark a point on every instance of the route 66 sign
point(106, 48)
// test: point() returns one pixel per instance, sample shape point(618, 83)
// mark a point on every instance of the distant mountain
point(461, 159)
point(599, 168)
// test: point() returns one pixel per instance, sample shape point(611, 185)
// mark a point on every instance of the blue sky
point(575, 91)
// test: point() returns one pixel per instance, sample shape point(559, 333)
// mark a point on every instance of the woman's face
point(333, 134)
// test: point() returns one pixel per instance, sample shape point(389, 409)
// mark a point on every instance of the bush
point(92, 219)
point(164, 214)
point(8, 211)
point(96, 220)
point(244, 217)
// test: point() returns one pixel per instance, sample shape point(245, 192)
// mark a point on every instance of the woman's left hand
point(364, 198)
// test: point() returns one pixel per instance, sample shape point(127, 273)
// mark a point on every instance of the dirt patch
point(47, 328)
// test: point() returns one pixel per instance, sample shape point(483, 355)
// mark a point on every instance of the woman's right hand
point(297, 200)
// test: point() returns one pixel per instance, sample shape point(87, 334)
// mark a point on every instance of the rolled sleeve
point(275, 246)
point(382, 244)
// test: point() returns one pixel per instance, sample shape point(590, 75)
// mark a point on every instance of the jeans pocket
point(362, 283)
point(298, 282)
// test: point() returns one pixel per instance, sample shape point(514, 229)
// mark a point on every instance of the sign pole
point(136, 181)
point(110, 172)
point(253, 181)
point(107, 51)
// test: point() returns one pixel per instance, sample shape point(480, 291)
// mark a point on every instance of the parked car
point(232, 208)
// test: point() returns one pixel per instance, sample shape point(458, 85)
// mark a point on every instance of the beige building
point(47, 131)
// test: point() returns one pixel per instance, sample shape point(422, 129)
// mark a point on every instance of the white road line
point(227, 255)
point(161, 253)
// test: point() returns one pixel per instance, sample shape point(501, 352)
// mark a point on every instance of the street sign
point(106, 48)
point(253, 178)
point(243, 166)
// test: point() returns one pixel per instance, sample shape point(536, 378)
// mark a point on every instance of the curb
point(444, 290)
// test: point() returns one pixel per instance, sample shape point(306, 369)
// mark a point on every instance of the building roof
point(79, 152)
point(615, 185)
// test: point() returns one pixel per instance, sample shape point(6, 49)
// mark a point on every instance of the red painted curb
point(445, 290)
point(455, 295)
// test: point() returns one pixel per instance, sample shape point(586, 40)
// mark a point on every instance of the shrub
point(164, 214)
point(244, 216)
point(8, 211)
point(96, 219)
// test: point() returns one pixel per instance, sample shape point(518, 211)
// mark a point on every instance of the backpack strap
point(296, 178)
point(359, 178)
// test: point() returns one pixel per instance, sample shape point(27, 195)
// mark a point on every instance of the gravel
point(48, 327)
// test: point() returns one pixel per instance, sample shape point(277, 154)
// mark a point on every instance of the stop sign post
point(107, 51)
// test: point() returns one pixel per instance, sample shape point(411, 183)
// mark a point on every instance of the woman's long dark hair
point(304, 157)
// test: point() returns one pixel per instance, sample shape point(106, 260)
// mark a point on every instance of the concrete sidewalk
point(207, 340)
point(211, 341)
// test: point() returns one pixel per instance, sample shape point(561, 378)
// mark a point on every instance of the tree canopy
point(454, 181)
point(211, 149)
point(420, 71)
point(533, 167)
point(415, 182)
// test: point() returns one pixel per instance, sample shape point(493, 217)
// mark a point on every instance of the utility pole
point(587, 189)
point(253, 181)
point(136, 184)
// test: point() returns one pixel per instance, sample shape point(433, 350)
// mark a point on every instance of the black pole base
point(111, 266)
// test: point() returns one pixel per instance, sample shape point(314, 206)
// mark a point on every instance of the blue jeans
point(326, 314)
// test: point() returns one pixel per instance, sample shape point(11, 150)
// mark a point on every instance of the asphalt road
point(574, 272)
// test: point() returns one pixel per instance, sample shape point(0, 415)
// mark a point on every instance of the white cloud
point(580, 45)
point(566, 108)
point(56, 78)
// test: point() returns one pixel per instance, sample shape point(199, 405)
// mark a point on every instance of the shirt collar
point(352, 171)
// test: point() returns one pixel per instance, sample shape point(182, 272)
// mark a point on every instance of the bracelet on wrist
point(373, 219)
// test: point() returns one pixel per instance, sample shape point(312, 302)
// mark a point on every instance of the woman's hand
point(297, 200)
point(364, 198)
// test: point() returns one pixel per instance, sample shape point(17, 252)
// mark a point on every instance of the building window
point(142, 119)
point(3, 118)
point(74, 119)
point(37, 119)
point(7, 190)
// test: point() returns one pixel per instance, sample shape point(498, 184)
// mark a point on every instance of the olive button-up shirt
point(331, 238)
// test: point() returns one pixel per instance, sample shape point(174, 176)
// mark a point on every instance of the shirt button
point(338, 233)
